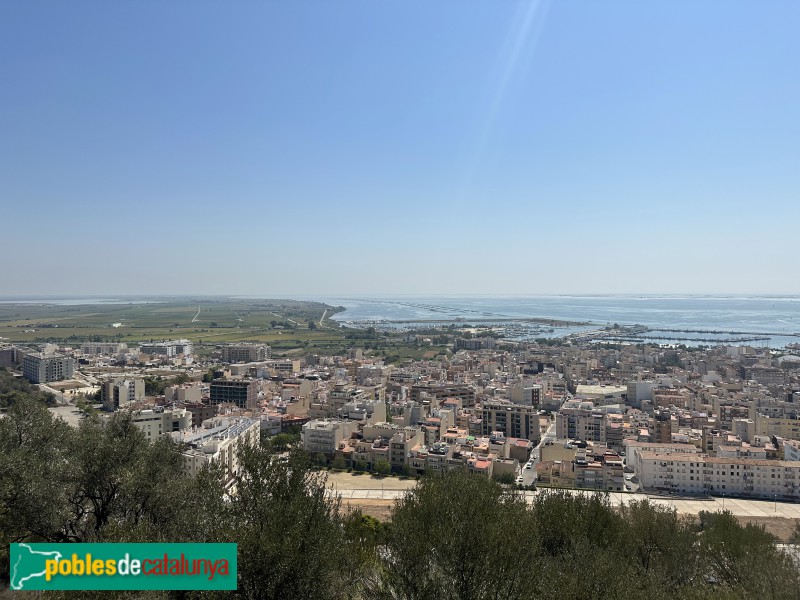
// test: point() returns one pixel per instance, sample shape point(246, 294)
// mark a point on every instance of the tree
point(281, 442)
point(453, 517)
point(383, 467)
point(291, 544)
point(360, 465)
point(743, 560)
point(339, 463)
point(33, 495)
point(14, 388)
point(661, 546)
point(505, 478)
point(312, 325)
point(117, 476)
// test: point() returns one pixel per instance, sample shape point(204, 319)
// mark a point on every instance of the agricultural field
point(202, 321)
point(289, 326)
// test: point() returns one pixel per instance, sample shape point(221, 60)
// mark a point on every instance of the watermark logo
point(123, 567)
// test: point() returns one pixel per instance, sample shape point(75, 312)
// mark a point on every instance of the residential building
point(120, 392)
point(324, 435)
point(527, 394)
point(218, 441)
point(241, 392)
point(8, 356)
point(188, 392)
point(100, 348)
point(38, 367)
point(581, 421)
point(701, 475)
point(461, 391)
point(170, 348)
point(159, 421)
point(246, 353)
point(513, 420)
point(200, 412)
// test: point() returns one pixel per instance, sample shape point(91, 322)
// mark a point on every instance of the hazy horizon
point(423, 148)
point(376, 296)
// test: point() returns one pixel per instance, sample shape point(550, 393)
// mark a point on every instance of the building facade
point(44, 368)
point(514, 420)
point(120, 392)
point(241, 392)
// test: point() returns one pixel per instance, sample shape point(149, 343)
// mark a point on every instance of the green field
point(283, 324)
point(220, 320)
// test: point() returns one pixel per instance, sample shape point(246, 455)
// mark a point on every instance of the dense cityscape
point(682, 429)
point(400, 300)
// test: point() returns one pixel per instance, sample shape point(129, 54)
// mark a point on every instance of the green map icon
point(27, 564)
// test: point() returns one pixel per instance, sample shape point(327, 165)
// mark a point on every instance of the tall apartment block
point(43, 368)
point(241, 392)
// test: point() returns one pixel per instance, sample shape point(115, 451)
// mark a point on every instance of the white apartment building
point(119, 392)
point(40, 367)
point(324, 435)
point(190, 392)
point(701, 474)
point(158, 421)
point(218, 441)
point(168, 348)
point(791, 450)
point(99, 348)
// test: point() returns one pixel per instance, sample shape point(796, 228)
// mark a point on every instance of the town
point(636, 419)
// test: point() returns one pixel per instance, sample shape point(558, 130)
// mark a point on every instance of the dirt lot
point(780, 527)
point(351, 481)
point(380, 509)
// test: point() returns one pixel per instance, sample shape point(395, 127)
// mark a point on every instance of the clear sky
point(399, 147)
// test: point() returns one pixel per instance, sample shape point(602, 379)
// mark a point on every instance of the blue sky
point(361, 147)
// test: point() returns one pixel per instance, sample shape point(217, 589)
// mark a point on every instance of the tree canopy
point(453, 536)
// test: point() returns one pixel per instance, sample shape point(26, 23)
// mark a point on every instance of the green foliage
point(155, 385)
point(505, 478)
point(745, 559)
point(382, 467)
point(281, 442)
point(287, 528)
point(339, 463)
point(453, 536)
point(457, 537)
point(34, 491)
point(13, 389)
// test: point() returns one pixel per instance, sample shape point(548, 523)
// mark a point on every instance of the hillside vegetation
point(455, 537)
